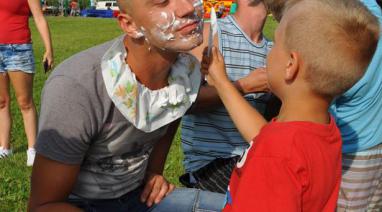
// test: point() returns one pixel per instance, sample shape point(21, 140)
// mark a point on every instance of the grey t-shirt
point(79, 124)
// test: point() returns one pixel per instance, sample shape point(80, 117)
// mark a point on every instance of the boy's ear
point(292, 67)
point(128, 26)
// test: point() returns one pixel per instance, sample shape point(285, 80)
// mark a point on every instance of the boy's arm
point(246, 118)
point(208, 98)
point(157, 187)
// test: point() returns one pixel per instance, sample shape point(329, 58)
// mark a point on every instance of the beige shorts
point(361, 187)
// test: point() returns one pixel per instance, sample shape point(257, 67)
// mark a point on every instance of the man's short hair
point(336, 40)
point(124, 5)
point(275, 7)
point(254, 2)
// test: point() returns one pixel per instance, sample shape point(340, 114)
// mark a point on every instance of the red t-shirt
point(73, 5)
point(14, 26)
point(290, 166)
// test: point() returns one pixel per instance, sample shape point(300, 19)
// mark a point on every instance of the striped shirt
point(207, 136)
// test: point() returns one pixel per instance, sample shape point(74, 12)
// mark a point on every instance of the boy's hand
point(214, 67)
point(255, 81)
point(205, 62)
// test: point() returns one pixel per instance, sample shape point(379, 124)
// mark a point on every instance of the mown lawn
point(69, 35)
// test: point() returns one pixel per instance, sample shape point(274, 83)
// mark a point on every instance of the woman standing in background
point(17, 68)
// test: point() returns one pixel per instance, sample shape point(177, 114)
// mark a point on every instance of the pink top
point(14, 26)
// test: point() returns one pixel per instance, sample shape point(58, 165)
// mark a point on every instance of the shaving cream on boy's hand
point(213, 30)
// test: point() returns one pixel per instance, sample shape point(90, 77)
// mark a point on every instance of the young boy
point(321, 49)
point(358, 116)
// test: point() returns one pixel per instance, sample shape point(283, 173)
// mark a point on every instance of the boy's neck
point(311, 109)
point(150, 65)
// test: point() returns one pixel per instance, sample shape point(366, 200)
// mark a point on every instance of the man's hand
point(213, 67)
point(156, 189)
point(255, 81)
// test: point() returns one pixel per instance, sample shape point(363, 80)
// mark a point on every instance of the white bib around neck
point(148, 109)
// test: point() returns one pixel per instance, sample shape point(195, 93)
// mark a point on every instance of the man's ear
point(292, 67)
point(128, 26)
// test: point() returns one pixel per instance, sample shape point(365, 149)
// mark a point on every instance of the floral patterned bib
point(148, 109)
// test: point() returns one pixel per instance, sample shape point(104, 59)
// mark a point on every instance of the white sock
point(31, 149)
point(31, 153)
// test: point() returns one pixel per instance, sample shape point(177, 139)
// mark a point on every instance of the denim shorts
point(17, 57)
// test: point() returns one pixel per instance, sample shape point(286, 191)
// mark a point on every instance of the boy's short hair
point(336, 40)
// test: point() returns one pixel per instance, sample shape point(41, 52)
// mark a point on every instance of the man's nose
point(185, 7)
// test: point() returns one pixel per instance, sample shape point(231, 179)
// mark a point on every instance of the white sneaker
point(4, 153)
point(31, 153)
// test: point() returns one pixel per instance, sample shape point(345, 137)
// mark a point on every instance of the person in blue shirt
point(358, 114)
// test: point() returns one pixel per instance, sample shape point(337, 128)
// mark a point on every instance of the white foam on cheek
point(168, 36)
point(163, 36)
point(140, 33)
point(198, 3)
point(163, 15)
point(176, 24)
point(166, 22)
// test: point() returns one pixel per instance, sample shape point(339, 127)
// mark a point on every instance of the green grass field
point(69, 35)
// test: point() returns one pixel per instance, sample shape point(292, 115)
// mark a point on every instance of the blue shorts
point(17, 57)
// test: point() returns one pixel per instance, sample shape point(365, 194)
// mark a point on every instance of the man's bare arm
point(51, 184)
point(157, 187)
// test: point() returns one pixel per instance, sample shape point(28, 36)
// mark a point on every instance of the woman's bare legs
point(5, 112)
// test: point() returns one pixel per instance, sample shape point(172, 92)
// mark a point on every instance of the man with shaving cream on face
point(102, 143)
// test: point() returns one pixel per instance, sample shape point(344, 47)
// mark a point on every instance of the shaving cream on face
point(139, 34)
point(164, 33)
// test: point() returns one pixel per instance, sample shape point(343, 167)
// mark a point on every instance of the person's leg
point(100, 205)
point(5, 112)
point(213, 177)
point(191, 200)
point(128, 202)
point(361, 181)
point(23, 86)
point(18, 60)
point(376, 200)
